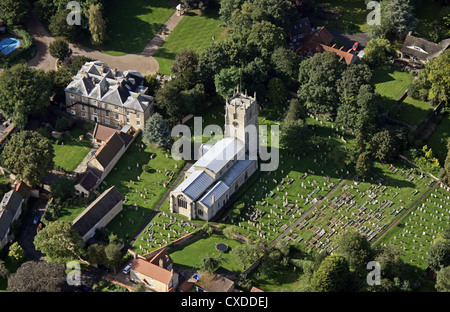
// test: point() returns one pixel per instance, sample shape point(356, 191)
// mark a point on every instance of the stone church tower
point(241, 121)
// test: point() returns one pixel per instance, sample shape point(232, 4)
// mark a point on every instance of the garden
point(71, 149)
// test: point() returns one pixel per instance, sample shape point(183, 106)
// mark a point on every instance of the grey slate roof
point(422, 48)
point(97, 210)
point(220, 154)
point(217, 190)
point(8, 209)
point(196, 184)
point(236, 170)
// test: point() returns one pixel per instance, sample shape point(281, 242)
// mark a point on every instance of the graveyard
point(417, 231)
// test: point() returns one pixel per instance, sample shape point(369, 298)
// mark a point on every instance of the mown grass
point(69, 155)
point(195, 32)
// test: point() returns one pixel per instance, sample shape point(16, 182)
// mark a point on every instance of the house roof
point(151, 270)
point(302, 26)
point(162, 258)
point(312, 43)
point(23, 189)
point(346, 56)
point(106, 153)
point(98, 209)
point(214, 283)
point(422, 48)
point(8, 208)
point(88, 180)
point(102, 132)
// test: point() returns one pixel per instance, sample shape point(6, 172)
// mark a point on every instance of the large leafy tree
point(352, 79)
point(286, 64)
point(443, 280)
point(29, 155)
point(356, 249)
point(186, 59)
point(59, 242)
point(333, 275)
point(113, 256)
point(390, 261)
point(439, 255)
point(317, 77)
point(295, 136)
point(60, 28)
point(157, 131)
point(23, 91)
point(384, 146)
point(13, 12)
point(38, 276)
point(265, 37)
point(378, 51)
point(97, 25)
point(59, 49)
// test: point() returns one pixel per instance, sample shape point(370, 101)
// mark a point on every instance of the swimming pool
point(8, 45)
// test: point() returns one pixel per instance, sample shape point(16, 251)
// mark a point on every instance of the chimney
point(161, 262)
point(341, 48)
point(213, 199)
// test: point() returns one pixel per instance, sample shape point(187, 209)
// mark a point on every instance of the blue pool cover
point(8, 45)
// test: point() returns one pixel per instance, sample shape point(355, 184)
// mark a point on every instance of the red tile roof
point(313, 42)
point(151, 270)
point(102, 133)
point(348, 57)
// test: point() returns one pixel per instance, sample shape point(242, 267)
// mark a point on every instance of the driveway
point(143, 62)
point(349, 39)
point(28, 230)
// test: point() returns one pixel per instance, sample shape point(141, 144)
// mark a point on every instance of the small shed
point(180, 9)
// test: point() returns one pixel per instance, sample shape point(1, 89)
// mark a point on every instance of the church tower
point(241, 120)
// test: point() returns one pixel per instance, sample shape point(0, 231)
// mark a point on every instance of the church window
point(182, 201)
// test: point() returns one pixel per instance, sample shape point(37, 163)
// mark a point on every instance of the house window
point(138, 116)
point(117, 124)
point(128, 113)
point(105, 106)
point(200, 212)
point(72, 96)
point(83, 115)
point(95, 111)
point(235, 116)
point(182, 201)
point(138, 123)
point(107, 121)
point(106, 114)
point(116, 116)
point(83, 108)
point(116, 108)
point(128, 120)
point(73, 112)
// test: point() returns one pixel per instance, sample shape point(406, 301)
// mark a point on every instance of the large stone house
point(10, 210)
point(99, 213)
point(420, 51)
point(156, 273)
point(223, 167)
point(108, 96)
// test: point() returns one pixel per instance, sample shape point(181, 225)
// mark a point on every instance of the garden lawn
point(72, 153)
point(71, 212)
point(141, 195)
point(190, 255)
point(194, 32)
point(131, 26)
point(438, 140)
point(280, 281)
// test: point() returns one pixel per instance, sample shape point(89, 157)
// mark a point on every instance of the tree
point(59, 80)
point(356, 249)
point(384, 146)
point(4, 272)
point(286, 64)
point(265, 37)
point(13, 12)
point(243, 254)
point(97, 25)
point(152, 83)
point(353, 78)
point(230, 232)
point(378, 51)
point(208, 229)
point(186, 59)
point(140, 288)
point(276, 93)
point(96, 254)
point(114, 256)
point(62, 188)
point(59, 49)
point(157, 131)
point(295, 136)
point(169, 100)
point(16, 253)
point(29, 155)
point(444, 174)
point(62, 124)
point(439, 255)
point(210, 263)
point(295, 111)
point(38, 276)
point(227, 80)
point(443, 280)
point(333, 275)
point(390, 262)
point(59, 242)
point(317, 77)
point(363, 166)
point(397, 19)
point(60, 28)
point(23, 91)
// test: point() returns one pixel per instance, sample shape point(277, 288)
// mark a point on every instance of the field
point(194, 32)
point(69, 155)
point(141, 190)
point(130, 27)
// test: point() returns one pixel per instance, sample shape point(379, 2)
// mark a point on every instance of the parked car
point(127, 268)
point(37, 218)
point(355, 46)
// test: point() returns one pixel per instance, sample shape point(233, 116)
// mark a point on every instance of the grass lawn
point(351, 12)
point(71, 212)
point(391, 84)
point(142, 190)
point(190, 255)
point(280, 281)
point(131, 26)
point(194, 32)
point(438, 140)
point(72, 153)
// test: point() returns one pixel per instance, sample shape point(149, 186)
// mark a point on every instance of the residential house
point(108, 96)
point(214, 283)
point(99, 213)
point(223, 167)
point(313, 42)
point(87, 181)
point(299, 31)
point(419, 50)
point(157, 273)
point(10, 210)
point(101, 133)
point(344, 56)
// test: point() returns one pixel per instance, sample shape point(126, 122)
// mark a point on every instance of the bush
point(146, 168)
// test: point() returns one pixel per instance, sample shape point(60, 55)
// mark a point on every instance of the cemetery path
point(402, 215)
point(303, 216)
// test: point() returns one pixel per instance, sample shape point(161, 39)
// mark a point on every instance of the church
point(222, 167)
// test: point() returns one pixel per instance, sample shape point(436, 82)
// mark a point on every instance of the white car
point(127, 269)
